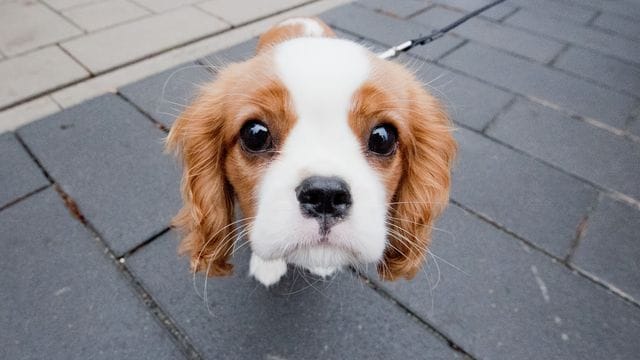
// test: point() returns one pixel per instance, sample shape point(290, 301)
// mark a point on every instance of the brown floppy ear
point(423, 191)
point(291, 29)
point(197, 137)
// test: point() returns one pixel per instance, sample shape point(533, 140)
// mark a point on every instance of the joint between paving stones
point(144, 243)
point(581, 229)
point(24, 197)
point(148, 116)
point(499, 114)
point(412, 314)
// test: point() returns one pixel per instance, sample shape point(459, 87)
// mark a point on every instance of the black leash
point(408, 45)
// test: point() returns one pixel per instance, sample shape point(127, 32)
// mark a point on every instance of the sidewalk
point(57, 53)
point(535, 258)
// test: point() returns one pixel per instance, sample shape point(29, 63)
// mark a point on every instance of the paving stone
point(634, 127)
point(237, 13)
point(65, 4)
point(533, 200)
point(61, 296)
point(597, 155)
point(298, 318)
point(119, 45)
point(601, 68)
point(542, 83)
point(102, 14)
point(239, 52)
point(159, 6)
point(624, 8)
point(25, 113)
point(109, 158)
point(26, 25)
point(557, 9)
point(165, 95)
point(573, 33)
point(469, 102)
point(19, 175)
point(505, 301)
point(618, 24)
point(36, 72)
point(610, 248)
point(399, 9)
point(498, 36)
point(497, 13)
point(387, 30)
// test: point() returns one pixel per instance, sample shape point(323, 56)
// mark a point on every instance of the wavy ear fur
point(207, 214)
point(423, 192)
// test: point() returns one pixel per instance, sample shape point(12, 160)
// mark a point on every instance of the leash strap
point(408, 45)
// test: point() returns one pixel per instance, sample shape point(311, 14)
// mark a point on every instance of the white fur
point(321, 76)
point(268, 272)
point(311, 26)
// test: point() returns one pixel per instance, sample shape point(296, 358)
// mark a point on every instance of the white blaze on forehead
point(321, 74)
point(311, 27)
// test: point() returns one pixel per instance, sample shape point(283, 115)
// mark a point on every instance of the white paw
point(323, 272)
point(267, 272)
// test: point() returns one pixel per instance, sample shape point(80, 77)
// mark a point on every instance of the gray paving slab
point(630, 9)
point(469, 101)
point(610, 248)
point(62, 298)
point(503, 300)
point(601, 68)
point(618, 24)
point(19, 175)
point(496, 13)
point(634, 127)
point(310, 319)
point(560, 29)
point(533, 200)
point(543, 83)
point(499, 36)
point(109, 158)
point(165, 95)
point(400, 9)
point(597, 155)
point(387, 30)
point(558, 9)
point(239, 52)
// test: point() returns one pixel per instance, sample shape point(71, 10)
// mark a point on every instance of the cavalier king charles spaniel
point(334, 156)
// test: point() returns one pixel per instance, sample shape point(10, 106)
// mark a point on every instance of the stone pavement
point(537, 257)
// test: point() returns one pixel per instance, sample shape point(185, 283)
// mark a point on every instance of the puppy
point(334, 156)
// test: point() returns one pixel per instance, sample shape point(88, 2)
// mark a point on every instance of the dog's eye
point(383, 140)
point(255, 136)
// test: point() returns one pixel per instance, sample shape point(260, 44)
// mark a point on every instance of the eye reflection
point(383, 140)
point(255, 137)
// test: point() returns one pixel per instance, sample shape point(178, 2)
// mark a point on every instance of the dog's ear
point(423, 191)
point(197, 137)
point(291, 29)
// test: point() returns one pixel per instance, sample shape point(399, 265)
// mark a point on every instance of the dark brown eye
point(383, 140)
point(255, 136)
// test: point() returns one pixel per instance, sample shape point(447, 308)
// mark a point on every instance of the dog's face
point(334, 156)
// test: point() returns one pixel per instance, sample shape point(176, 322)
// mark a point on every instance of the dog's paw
point(267, 272)
point(323, 272)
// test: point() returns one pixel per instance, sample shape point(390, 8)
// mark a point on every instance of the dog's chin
point(313, 250)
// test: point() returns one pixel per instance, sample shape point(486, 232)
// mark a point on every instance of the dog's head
point(333, 155)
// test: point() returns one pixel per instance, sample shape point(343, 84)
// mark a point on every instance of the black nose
point(324, 197)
